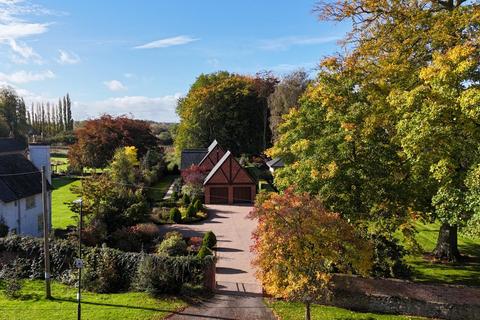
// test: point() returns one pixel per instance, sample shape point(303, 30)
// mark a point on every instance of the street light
point(78, 261)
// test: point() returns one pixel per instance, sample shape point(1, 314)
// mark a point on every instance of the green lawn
point(160, 188)
point(295, 311)
point(59, 163)
point(61, 214)
point(465, 272)
point(133, 305)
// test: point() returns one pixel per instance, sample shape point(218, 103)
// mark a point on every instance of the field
point(128, 306)
point(62, 216)
point(465, 272)
point(295, 311)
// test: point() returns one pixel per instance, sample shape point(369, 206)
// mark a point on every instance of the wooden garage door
point(219, 195)
point(242, 194)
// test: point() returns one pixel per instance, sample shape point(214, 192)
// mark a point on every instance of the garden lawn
point(464, 272)
point(62, 216)
point(296, 311)
point(160, 188)
point(132, 305)
point(59, 163)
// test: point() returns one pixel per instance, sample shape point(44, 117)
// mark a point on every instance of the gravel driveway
point(239, 294)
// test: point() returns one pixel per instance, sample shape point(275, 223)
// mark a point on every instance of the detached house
point(227, 182)
point(21, 185)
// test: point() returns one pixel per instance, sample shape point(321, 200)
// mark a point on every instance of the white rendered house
point(21, 206)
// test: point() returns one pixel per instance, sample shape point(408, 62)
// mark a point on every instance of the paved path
point(239, 295)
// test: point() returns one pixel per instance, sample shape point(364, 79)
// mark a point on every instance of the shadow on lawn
point(62, 181)
point(112, 305)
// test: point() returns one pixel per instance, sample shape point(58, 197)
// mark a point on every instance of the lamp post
point(78, 261)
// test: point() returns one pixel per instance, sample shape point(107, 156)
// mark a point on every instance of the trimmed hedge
point(106, 269)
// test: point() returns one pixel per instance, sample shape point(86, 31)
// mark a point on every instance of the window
point(30, 202)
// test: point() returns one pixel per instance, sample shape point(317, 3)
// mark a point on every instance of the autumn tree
point(298, 244)
point(393, 44)
point(286, 96)
point(228, 107)
point(98, 139)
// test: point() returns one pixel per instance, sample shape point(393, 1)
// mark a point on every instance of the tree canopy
point(97, 140)
point(388, 131)
point(228, 107)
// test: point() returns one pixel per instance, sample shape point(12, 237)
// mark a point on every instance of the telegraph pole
point(46, 231)
point(79, 261)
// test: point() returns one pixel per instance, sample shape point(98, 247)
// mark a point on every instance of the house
point(275, 164)
point(21, 206)
point(227, 182)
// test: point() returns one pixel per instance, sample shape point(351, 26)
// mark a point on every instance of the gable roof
point(19, 178)
point(191, 157)
point(276, 163)
point(219, 164)
point(11, 145)
point(210, 148)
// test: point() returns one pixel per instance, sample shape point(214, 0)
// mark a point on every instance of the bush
point(198, 205)
point(174, 195)
point(191, 211)
point(194, 191)
point(161, 274)
point(126, 240)
point(145, 231)
point(3, 228)
point(175, 215)
point(106, 269)
point(209, 240)
point(186, 199)
point(203, 252)
point(389, 259)
point(172, 246)
point(13, 284)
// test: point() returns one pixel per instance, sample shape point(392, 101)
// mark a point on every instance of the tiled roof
point(275, 163)
point(19, 178)
point(11, 145)
point(191, 157)
point(217, 166)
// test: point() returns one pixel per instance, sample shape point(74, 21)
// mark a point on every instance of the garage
point(219, 195)
point(242, 195)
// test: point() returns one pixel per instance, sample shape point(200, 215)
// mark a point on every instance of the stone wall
point(405, 297)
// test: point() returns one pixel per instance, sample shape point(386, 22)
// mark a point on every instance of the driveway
point(239, 294)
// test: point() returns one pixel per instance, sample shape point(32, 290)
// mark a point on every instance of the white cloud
point(214, 62)
point(17, 30)
point(24, 76)
point(23, 52)
point(167, 42)
point(115, 85)
point(67, 57)
point(149, 108)
point(286, 42)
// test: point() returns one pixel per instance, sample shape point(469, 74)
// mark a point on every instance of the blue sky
point(137, 57)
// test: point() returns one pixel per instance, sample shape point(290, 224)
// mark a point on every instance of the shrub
point(186, 199)
point(126, 240)
point(162, 274)
point(195, 243)
point(193, 190)
point(203, 252)
point(3, 228)
point(174, 195)
point(102, 273)
point(145, 231)
point(172, 246)
point(389, 259)
point(13, 284)
point(175, 215)
point(209, 240)
point(191, 212)
point(198, 205)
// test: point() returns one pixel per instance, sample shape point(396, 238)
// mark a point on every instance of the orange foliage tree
point(299, 245)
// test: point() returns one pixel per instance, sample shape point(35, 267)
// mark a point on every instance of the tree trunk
point(447, 243)
point(307, 310)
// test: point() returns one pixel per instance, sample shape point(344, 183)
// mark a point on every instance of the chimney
point(39, 155)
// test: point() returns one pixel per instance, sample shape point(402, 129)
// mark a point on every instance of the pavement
point(238, 294)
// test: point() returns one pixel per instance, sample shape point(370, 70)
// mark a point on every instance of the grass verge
point(131, 305)
point(295, 311)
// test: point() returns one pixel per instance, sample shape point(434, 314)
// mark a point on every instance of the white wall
point(40, 156)
point(28, 217)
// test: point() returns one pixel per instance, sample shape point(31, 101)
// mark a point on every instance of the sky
point(137, 57)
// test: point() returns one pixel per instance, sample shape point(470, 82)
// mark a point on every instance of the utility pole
point(46, 231)
point(79, 261)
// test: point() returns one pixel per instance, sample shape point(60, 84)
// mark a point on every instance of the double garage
point(230, 194)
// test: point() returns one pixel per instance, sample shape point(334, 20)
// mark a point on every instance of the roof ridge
point(217, 166)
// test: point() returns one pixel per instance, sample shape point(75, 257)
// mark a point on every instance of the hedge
point(105, 269)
